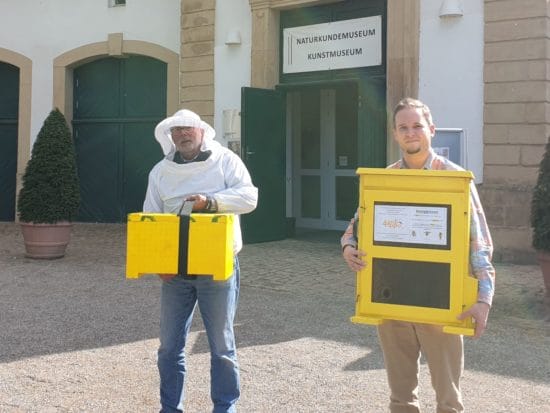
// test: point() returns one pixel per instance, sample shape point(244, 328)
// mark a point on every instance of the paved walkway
point(75, 336)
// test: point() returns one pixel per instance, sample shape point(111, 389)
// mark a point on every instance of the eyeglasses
point(180, 128)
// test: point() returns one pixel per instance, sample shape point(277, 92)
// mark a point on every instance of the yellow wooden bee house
point(414, 226)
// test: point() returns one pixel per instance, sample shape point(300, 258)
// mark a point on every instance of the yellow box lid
point(151, 217)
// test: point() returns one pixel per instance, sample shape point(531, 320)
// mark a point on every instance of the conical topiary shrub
point(540, 217)
point(50, 191)
point(540, 206)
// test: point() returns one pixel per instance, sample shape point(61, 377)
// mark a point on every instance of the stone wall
point(197, 57)
point(516, 119)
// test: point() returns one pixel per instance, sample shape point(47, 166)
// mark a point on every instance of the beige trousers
point(402, 343)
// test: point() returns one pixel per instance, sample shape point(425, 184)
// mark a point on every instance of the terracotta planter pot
point(46, 241)
point(544, 262)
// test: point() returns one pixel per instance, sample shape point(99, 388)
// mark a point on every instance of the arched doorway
point(116, 104)
point(9, 114)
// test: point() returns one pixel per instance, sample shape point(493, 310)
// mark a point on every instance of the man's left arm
point(481, 252)
point(240, 196)
point(153, 201)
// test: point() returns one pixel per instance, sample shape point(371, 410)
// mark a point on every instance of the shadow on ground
point(290, 289)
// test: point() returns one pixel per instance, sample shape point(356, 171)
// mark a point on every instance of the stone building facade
point(516, 94)
point(515, 66)
point(516, 118)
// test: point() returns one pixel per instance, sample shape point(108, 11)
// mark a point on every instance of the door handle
point(250, 153)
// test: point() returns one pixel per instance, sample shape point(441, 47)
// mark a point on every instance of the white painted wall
point(450, 78)
point(44, 29)
point(232, 63)
point(451, 73)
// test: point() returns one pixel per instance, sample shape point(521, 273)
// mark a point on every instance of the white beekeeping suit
point(222, 175)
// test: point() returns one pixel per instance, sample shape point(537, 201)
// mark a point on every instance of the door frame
point(327, 171)
point(293, 187)
point(8, 125)
point(24, 113)
point(139, 114)
point(64, 64)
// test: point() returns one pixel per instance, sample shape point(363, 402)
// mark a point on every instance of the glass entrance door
point(324, 152)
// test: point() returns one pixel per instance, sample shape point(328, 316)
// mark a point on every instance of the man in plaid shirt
point(402, 342)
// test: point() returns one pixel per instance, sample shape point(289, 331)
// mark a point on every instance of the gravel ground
point(76, 336)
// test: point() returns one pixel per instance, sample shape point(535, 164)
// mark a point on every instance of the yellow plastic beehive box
point(414, 227)
point(154, 247)
point(211, 245)
point(152, 244)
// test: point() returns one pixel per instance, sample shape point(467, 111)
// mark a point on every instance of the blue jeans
point(217, 302)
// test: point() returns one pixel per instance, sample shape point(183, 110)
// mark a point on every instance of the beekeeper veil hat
point(183, 118)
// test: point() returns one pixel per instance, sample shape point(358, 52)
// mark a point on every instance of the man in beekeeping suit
point(197, 168)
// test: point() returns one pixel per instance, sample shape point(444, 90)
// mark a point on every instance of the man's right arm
point(349, 238)
point(153, 202)
point(352, 255)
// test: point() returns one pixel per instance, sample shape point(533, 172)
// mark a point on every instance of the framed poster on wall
point(451, 144)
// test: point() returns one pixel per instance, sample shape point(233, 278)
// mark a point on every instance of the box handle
point(147, 218)
point(186, 208)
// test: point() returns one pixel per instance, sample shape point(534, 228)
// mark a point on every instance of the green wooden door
point(117, 103)
point(372, 118)
point(9, 112)
point(263, 146)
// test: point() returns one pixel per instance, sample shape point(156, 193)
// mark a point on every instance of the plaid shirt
point(481, 244)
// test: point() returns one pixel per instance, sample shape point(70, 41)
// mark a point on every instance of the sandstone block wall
point(516, 119)
point(197, 57)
